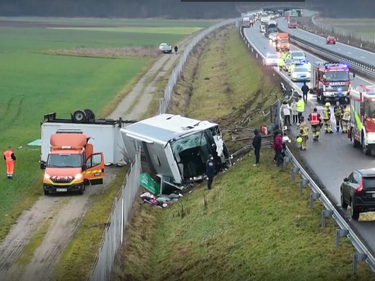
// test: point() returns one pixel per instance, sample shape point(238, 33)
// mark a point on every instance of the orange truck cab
point(282, 42)
point(71, 164)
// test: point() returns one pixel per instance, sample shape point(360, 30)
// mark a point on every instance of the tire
point(79, 116)
point(46, 192)
point(365, 149)
point(89, 114)
point(354, 212)
point(82, 191)
point(356, 143)
point(344, 205)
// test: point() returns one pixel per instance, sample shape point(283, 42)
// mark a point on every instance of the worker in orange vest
point(9, 160)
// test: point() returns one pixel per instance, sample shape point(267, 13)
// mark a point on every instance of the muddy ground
point(65, 217)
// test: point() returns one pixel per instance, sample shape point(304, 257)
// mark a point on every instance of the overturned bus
point(176, 148)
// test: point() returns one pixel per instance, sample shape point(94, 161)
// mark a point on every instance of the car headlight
point(371, 137)
point(308, 74)
point(78, 176)
point(46, 176)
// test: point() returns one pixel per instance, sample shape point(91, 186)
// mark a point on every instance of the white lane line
point(363, 57)
point(349, 53)
point(339, 49)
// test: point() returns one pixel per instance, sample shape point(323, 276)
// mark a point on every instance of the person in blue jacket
point(210, 171)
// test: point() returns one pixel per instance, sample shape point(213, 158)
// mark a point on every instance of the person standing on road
point(281, 64)
point(278, 146)
point(345, 120)
point(300, 108)
point(210, 171)
point(305, 90)
point(327, 118)
point(175, 49)
point(304, 133)
point(294, 112)
point(286, 111)
point(257, 144)
point(315, 121)
point(308, 66)
point(338, 111)
point(9, 158)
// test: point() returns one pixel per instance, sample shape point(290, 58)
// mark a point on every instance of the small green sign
point(148, 182)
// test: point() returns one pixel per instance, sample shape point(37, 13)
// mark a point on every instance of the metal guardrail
point(164, 104)
point(363, 254)
point(356, 65)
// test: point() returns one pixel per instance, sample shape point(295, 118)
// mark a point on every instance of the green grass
point(33, 84)
point(141, 30)
point(254, 224)
point(355, 26)
point(79, 256)
point(115, 22)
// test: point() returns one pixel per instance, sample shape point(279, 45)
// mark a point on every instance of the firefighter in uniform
point(9, 158)
point(345, 120)
point(327, 118)
point(281, 64)
point(303, 133)
point(316, 124)
point(338, 111)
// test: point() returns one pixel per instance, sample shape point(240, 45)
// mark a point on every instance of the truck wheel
point(356, 143)
point(89, 114)
point(82, 191)
point(365, 148)
point(79, 116)
point(46, 192)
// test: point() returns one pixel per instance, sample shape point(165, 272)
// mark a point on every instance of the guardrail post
point(252, 50)
point(256, 55)
point(302, 184)
point(287, 159)
point(358, 257)
point(313, 196)
point(326, 214)
point(293, 171)
point(340, 233)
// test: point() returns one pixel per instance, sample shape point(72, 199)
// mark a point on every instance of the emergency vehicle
point(331, 81)
point(361, 129)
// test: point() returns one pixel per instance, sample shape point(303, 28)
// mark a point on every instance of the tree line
point(172, 9)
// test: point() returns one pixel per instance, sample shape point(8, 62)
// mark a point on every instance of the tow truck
point(331, 81)
point(361, 129)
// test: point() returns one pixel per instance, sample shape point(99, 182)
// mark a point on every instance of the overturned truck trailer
point(176, 148)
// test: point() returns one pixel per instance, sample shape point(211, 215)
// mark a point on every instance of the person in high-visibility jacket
point(303, 133)
point(327, 118)
point(308, 66)
point(345, 120)
point(316, 122)
point(285, 56)
point(292, 67)
point(338, 111)
point(281, 64)
point(300, 107)
point(9, 158)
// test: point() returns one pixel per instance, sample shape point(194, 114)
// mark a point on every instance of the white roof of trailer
point(165, 127)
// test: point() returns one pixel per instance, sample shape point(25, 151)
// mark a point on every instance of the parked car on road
point(358, 192)
point(165, 48)
point(300, 73)
point(271, 59)
point(331, 40)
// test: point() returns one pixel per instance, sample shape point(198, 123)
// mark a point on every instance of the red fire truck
point(331, 81)
point(361, 129)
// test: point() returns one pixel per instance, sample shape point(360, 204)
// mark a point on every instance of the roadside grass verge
point(34, 84)
point(354, 26)
point(253, 224)
point(79, 256)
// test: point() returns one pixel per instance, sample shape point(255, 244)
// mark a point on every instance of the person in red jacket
point(278, 146)
point(316, 123)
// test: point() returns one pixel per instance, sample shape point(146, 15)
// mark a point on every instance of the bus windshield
point(336, 76)
point(64, 161)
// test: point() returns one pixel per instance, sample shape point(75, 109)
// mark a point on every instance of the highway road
point(343, 49)
point(333, 158)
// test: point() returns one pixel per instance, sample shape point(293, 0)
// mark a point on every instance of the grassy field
point(33, 83)
point(253, 225)
point(366, 27)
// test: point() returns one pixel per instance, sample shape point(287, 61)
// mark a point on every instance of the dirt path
point(65, 222)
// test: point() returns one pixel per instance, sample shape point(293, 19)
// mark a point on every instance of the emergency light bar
point(337, 64)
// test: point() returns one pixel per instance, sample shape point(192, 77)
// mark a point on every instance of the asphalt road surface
point(346, 50)
point(333, 158)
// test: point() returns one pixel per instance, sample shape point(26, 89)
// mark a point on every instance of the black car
point(358, 191)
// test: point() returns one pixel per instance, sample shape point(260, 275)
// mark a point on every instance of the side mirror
point(346, 180)
point(43, 165)
point(84, 167)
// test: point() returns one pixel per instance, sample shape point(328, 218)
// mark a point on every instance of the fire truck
point(361, 129)
point(331, 81)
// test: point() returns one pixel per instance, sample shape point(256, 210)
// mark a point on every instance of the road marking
point(349, 53)
point(363, 57)
point(339, 49)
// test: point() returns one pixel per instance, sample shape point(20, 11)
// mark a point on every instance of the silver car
point(300, 73)
point(165, 48)
point(271, 59)
point(297, 55)
point(272, 36)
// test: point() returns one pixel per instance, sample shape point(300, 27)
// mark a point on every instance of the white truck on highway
point(263, 23)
